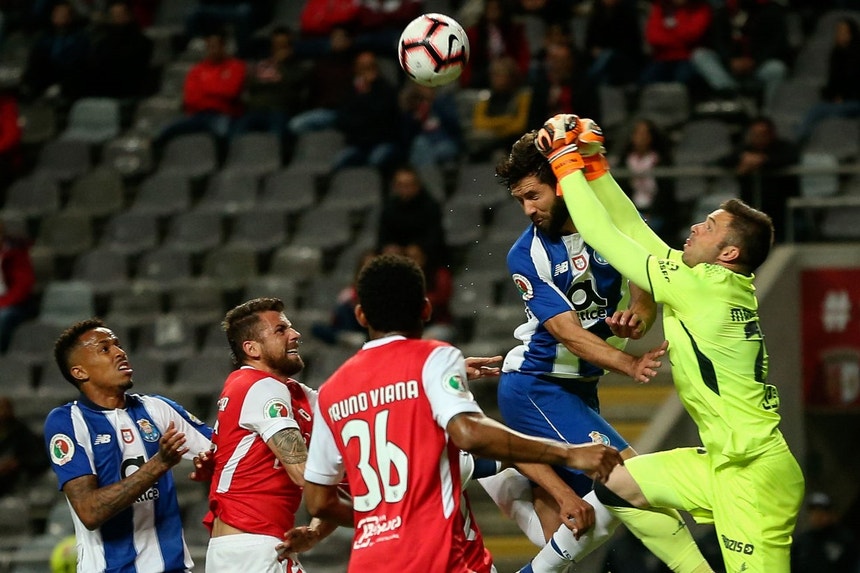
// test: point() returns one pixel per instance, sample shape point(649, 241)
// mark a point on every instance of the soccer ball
point(433, 50)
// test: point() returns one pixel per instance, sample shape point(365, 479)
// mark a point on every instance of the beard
point(558, 216)
point(285, 363)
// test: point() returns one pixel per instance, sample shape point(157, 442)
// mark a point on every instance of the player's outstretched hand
point(626, 324)
point(297, 540)
point(577, 514)
point(590, 138)
point(171, 446)
point(204, 467)
point(596, 460)
point(647, 364)
point(557, 134)
point(481, 367)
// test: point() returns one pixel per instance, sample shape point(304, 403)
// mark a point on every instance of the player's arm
point(304, 537)
point(638, 318)
point(94, 505)
point(480, 435)
point(326, 502)
point(567, 329)
point(289, 447)
point(575, 513)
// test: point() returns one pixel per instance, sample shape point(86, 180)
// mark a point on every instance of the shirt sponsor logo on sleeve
point(150, 432)
point(277, 408)
point(524, 286)
point(62, 449)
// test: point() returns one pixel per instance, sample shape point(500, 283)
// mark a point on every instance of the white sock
point(564, 547)
point(512, 492)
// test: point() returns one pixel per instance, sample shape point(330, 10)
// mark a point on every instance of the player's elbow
point(466, 433)
point(320, 501)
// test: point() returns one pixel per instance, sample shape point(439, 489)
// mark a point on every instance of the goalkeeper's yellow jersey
point(718, 355)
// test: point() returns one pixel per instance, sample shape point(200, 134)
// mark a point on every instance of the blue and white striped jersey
point(555, 276)
point(85, 439)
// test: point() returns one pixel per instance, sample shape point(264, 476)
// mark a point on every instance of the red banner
point(831, 337)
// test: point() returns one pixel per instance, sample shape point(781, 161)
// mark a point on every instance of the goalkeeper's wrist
point(566, 162)
point(594, 166)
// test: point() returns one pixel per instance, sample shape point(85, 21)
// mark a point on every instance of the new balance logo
point(560, 268)
point(102, 439)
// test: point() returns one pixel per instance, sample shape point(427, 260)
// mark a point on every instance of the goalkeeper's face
point(279, 344)
point(540, 204)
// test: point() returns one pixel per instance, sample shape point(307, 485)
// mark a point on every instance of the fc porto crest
point(147, 430)
point(598, 438)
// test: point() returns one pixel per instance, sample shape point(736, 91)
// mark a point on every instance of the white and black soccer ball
point(433, 50)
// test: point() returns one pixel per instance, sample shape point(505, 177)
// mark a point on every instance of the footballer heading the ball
point(433, 50)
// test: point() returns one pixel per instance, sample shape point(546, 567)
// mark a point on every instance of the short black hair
point(68, 341)
point(391, 291)
point(523, 161)
point(751, 230)
point(241, 324)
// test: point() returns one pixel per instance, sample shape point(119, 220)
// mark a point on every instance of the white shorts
point(255, 553)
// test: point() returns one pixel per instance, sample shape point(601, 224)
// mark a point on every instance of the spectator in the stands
point(559, 85)
point(243, 16)
point(440, 287)
point(840, 96)
point(647, 148)
point(368, 118)
point(21, 453)
point(673, 30)
point(410, 215)
point(276, 88)
point(827, 545)
point(431, 126)
point(11, 159)
point(330, 82)
point(212, 93)
point(17, 280)
point(119, 55)
point(343, 327)
point(757, 162)
point(748, 49)
point(499, 119)
point(496, 34)
point(613, 42)
point(58, 58)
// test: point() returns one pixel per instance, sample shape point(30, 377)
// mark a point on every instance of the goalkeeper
point(745, 479)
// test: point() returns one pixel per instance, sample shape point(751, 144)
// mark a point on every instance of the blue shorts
point(564, 410)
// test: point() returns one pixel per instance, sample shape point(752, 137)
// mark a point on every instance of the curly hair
point(391, 291)
point(68, 341)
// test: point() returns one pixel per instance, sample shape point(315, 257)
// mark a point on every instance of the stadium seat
point(315, 149)
point(133, 306)
point(93, 120)
point(824, 184)
point(195, 231)
point(259, 230)
point(666, 104)
point(33, 342)
point(65, 234)
point(99, 193)
point(199, 304)
point(129, 155)
point(703, 142)
point(289, 190)
point(66, 302)
point(192, 155)
point(230, 266)
point(257, 154)
point(326, 228)
point(215, 340)
point(17, 375)
point(463, 223)
point(32, 196)
point(173, 78)
point(38, 122)
point(169, 338)
point(155, 113)
point(104, 269)
point(297, 263)
point(354, 188)
point(131, 233)
point(476, 182)
point(835, 136)
point(282, 287)
point(63, 159)
point(16, 527)
point(164, 268)
point(163, 194)
point(229, 192)
point(202, 377)
point(507, 221)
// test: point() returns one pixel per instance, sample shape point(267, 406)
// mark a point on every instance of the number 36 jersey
point(381, 419)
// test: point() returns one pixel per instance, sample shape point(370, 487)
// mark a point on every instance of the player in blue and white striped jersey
point(112, 452)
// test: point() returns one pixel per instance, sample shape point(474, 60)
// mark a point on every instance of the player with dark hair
point(260, 444)
point(745, 479)
point(394, 418)
point(112, 452)
point(580, 312)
